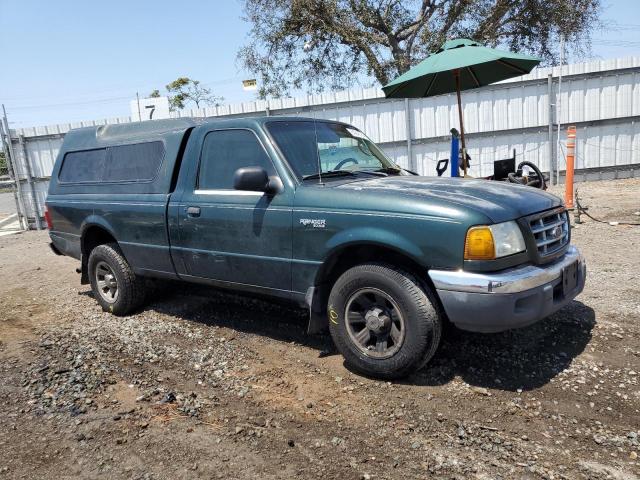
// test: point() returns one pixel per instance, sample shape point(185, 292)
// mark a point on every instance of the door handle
point(193, 211)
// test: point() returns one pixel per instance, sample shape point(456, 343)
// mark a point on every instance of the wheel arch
point(348, 255)
point(94, 232)
point(94, 235)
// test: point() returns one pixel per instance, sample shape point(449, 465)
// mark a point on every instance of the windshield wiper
point(329, 173)
point(395, 170)
point(376, 173)
point(339, 173)
point(389, 170)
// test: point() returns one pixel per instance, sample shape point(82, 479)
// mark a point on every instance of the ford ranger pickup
point(313, 212)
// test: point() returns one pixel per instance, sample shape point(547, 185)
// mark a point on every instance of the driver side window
point(224, 152)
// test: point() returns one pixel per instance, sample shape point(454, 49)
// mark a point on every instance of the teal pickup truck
point(313, 212)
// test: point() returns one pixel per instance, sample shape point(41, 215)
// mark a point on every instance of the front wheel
point(116, 288)
point(383, 322)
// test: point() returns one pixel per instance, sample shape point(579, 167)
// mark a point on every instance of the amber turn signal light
point(479, 244)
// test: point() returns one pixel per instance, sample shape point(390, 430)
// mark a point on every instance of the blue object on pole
point(455, 155)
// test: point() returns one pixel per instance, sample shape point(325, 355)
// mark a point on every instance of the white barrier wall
point(602, 99)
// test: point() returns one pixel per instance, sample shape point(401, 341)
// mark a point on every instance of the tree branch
point(329, 43)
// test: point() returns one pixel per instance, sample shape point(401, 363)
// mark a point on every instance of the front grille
point(550, 231)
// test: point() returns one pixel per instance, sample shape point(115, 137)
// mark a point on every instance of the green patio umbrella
point(458, 65)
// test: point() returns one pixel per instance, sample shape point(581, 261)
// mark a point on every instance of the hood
point(500, 201)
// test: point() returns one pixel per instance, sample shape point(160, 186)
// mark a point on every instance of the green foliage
point(332, 44)
point(184, 90)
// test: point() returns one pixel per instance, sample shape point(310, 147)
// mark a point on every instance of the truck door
point(230, 235)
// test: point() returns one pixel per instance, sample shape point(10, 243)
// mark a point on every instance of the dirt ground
point(202, 384)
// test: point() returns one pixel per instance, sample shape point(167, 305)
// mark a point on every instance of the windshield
point(308, 145)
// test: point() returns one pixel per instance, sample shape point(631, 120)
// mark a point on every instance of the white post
point(558, 111)
point(407, 121)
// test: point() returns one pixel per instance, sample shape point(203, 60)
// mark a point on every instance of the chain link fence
point(4, 168)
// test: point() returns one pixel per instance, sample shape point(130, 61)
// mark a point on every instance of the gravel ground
point(203, 384)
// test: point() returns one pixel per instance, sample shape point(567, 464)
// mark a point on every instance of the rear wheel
point(383, 321)
point(116, 288)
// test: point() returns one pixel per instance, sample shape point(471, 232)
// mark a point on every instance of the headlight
point(488, 242)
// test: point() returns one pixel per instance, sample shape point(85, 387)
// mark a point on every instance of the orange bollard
point(571, 152)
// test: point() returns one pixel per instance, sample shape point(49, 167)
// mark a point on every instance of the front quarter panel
point(326, 220)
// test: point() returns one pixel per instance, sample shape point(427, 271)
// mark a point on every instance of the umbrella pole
point(456, 74)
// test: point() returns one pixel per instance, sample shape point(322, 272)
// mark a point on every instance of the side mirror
point(255, 179)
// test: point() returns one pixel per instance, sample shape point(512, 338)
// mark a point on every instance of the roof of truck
point(105, 135)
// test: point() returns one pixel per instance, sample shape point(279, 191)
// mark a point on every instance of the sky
point(71, 60)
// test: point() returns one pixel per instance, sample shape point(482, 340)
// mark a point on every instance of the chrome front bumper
point(516, 297)
point(512, 280)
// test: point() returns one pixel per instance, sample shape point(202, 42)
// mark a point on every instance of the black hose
point(514, 178)
point(582, 210)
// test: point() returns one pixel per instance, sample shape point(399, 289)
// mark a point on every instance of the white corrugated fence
point(601, 98)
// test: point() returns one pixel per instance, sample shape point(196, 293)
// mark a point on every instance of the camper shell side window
point(137, 163)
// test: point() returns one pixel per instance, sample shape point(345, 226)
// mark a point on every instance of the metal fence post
point(407, 119)
point(32, 188)
point(13, 171)
point(550, 104)
point(5, 150)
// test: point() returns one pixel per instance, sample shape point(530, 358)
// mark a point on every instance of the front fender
point(338, 243)
point(373, 236)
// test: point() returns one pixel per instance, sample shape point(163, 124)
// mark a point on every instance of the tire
point(375, 297)
point(106, 266)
